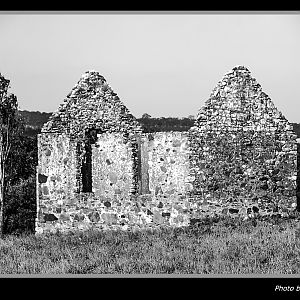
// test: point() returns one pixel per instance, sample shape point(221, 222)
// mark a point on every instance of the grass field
point(225, 247)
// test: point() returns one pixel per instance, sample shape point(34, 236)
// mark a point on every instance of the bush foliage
point(20, 207)
point(20, 186)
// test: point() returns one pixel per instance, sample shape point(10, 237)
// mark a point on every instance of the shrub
point(20, 207)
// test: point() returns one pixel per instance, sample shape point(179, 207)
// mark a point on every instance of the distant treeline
point(34, 121)
point(166, 124)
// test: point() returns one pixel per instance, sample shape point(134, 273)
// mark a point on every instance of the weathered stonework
point(112, 202)
point(56, 154)
point(92, 104)
point(68, 149)
point(98, 170)
point(112, 167)
point(243, 151)
point(168, 162)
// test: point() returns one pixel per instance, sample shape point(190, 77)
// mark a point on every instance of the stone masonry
point(243, 151)
point(98, 170)
point(68, 150)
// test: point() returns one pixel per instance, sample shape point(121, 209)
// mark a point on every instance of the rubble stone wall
point(298, 175)
point(92, 104)
point(243, 151)
point(91, 108)
point(113, 202)
point(239, 159)
point(112, 166)
point(173, 194)
point(167, 162)
point(56, 175)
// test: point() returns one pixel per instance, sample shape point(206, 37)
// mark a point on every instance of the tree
point(146, 116)
point(22, 160)
point(10, 126)
point(20, 185)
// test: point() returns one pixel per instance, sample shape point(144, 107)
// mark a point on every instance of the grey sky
point(162, 64)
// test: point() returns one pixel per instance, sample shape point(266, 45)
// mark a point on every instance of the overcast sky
point(162, 64)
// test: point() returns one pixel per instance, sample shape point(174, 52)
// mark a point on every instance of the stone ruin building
point(97, 169)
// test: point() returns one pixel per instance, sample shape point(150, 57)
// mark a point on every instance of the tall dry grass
point(226, 247)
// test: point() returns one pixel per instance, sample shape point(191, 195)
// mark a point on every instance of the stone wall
point(61, 204)
point(243, 151)
point(112, 166)
point(97, 170)
point(112, 202)
point(166, 155)
point(66, 146)
point(56, 176)
point(298, 175)
point(92, 104)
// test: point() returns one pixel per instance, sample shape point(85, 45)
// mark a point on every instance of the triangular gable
point(91, 104)
point(238, 102)
point(242, 150)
